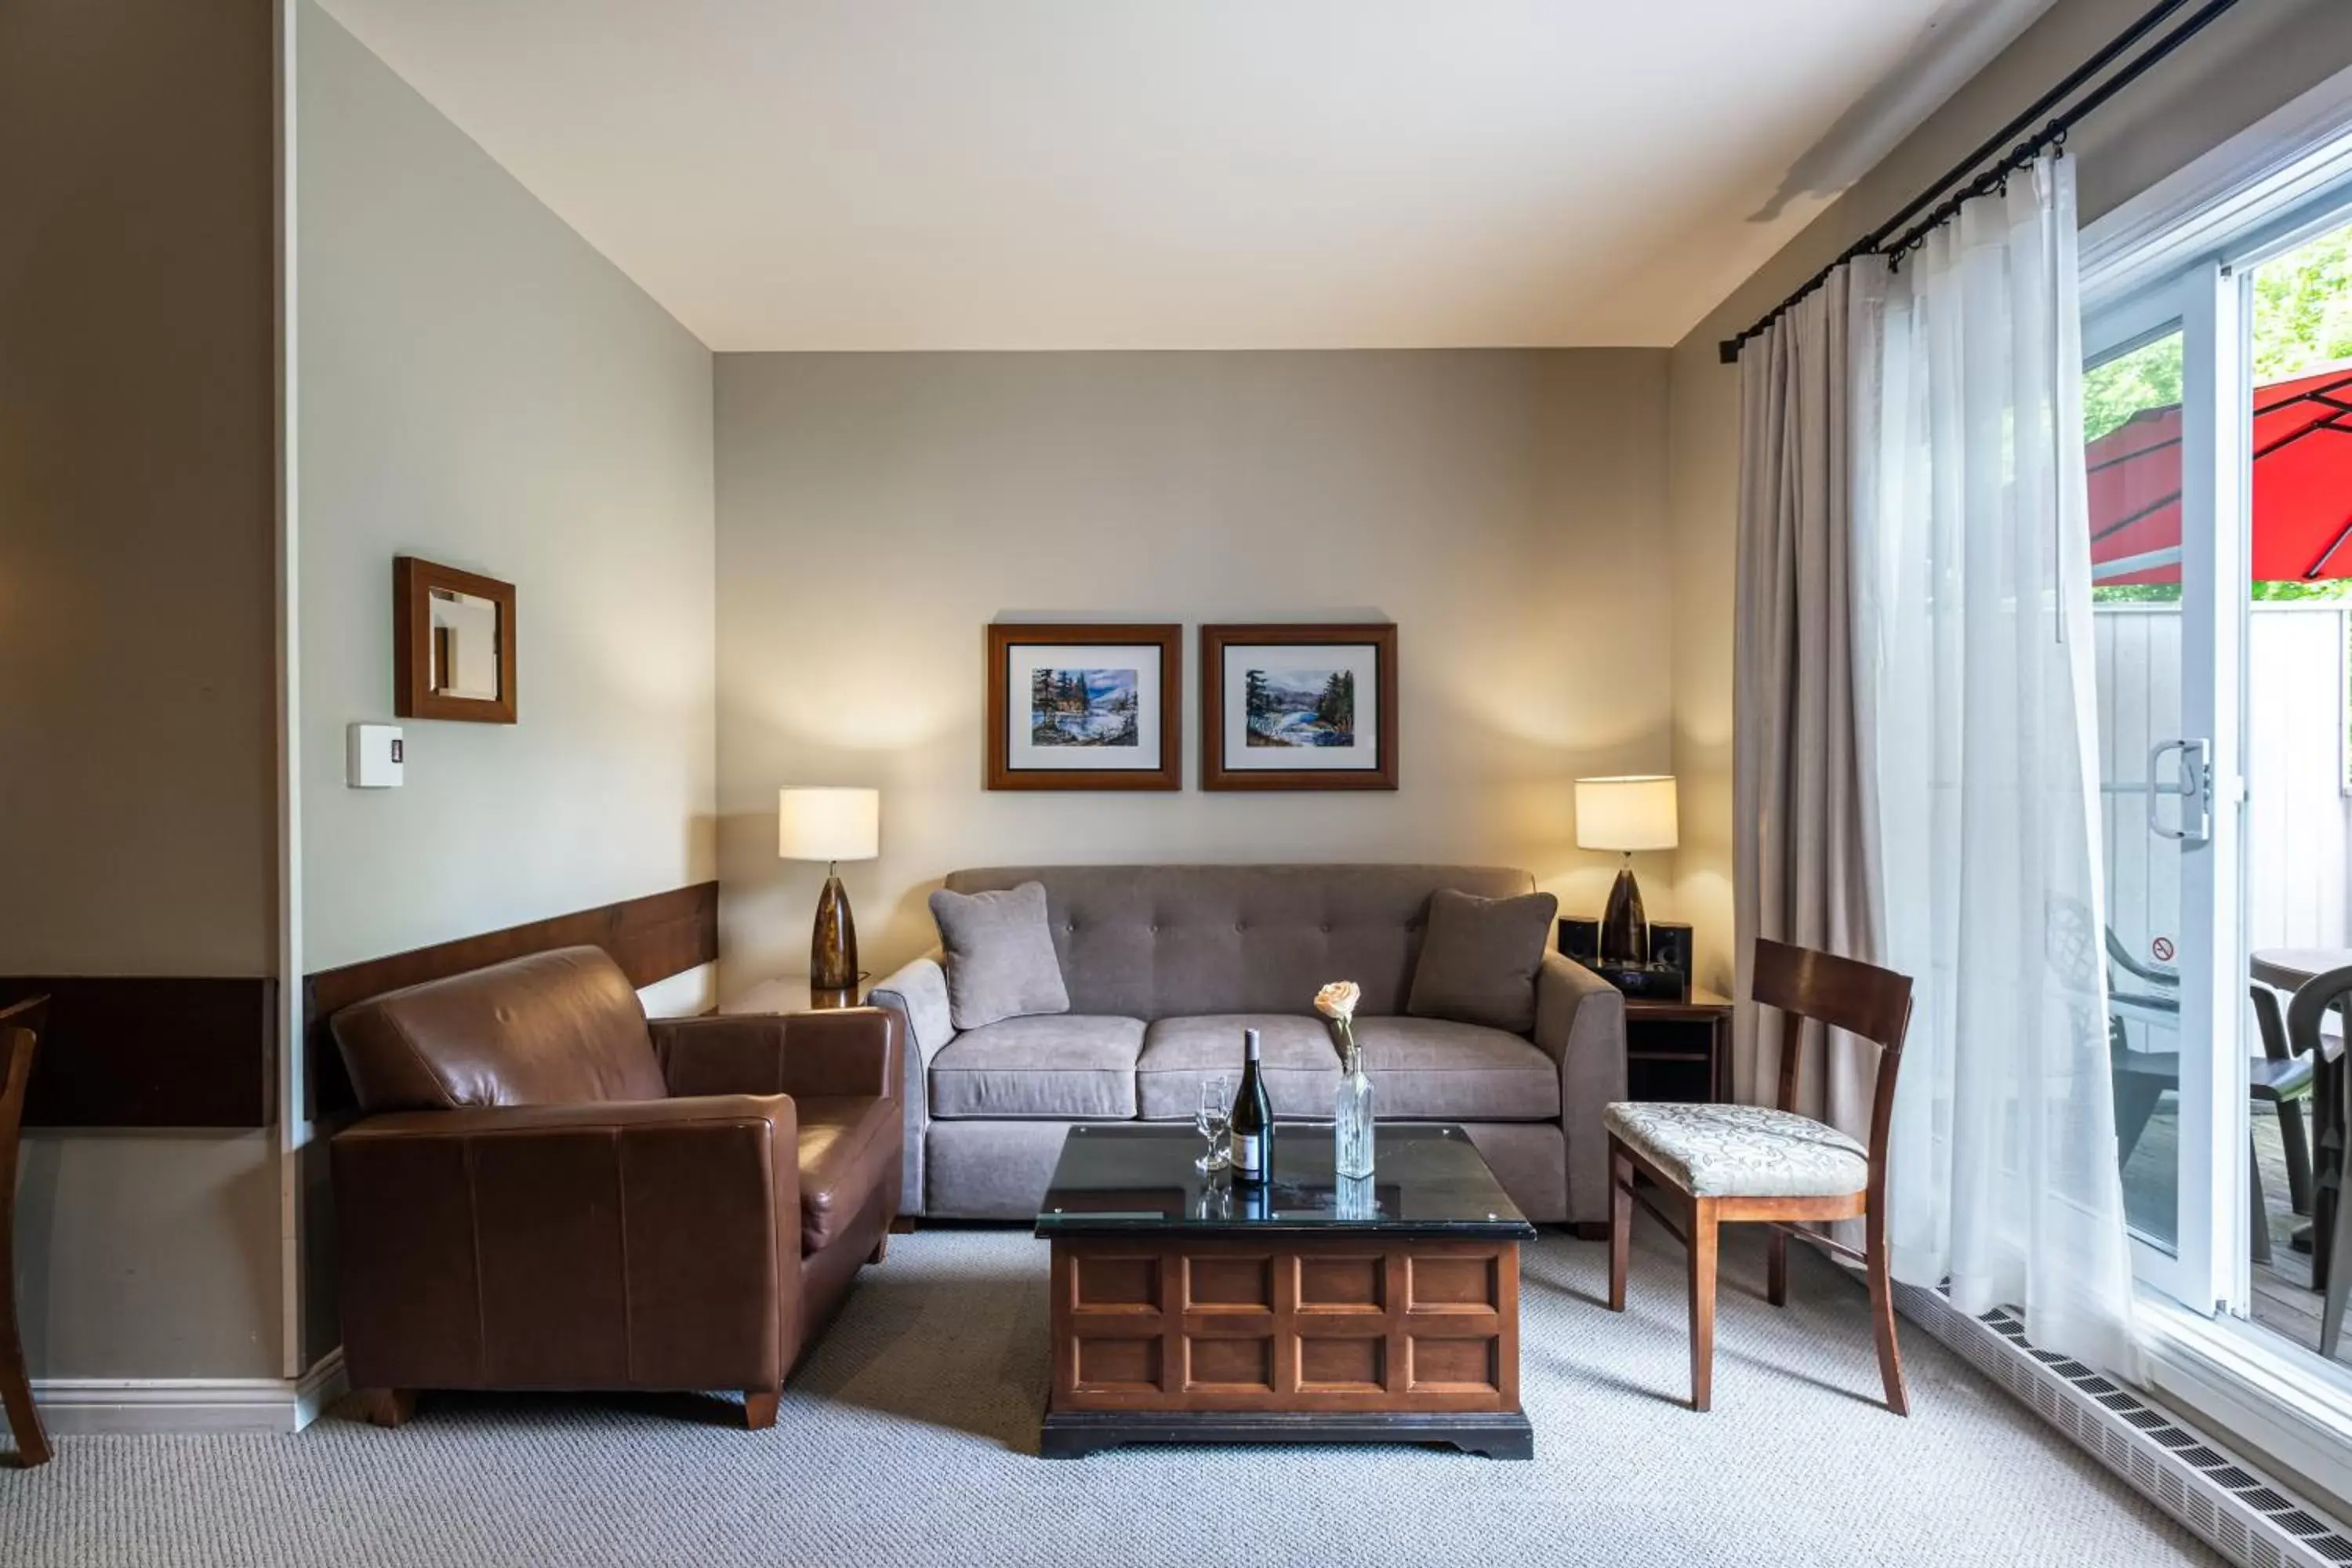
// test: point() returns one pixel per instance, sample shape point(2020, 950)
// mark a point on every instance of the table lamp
point(1625, 815)
point(831, 825)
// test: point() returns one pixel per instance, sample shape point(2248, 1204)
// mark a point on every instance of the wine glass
point(1215, 1110)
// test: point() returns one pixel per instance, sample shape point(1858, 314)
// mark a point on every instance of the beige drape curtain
point(1800, 875)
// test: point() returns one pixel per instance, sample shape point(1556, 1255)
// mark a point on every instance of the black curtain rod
point(1883, 239)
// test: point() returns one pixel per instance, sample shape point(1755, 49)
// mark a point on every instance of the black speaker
point(1670, 947)
point(1579, 939)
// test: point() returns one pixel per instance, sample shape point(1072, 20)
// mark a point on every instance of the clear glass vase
point(1351, 1118)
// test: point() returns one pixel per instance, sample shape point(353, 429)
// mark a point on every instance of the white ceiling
point(1184, 173)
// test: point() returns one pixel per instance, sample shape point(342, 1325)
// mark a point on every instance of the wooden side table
point(1679, 1050)
point(793, 993)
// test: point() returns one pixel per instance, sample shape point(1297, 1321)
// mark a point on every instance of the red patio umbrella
point(2303, 487)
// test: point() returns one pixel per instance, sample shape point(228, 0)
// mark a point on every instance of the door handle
point(2193, 760)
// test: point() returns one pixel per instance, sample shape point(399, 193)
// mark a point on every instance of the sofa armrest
point(644, 1244)
point(830, 1051)
point(917, 993)
point(1580, 1025)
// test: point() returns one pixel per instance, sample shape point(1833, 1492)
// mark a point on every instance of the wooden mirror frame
point(412, 697)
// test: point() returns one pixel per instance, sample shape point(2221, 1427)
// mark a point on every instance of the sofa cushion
point(1434, 1069)
point(1070, 1065)
point(1479, 957)
point(1295, 1056)
point(848, 1145)
point(1001, 962)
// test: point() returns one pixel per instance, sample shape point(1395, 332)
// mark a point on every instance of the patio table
point(2289, 969)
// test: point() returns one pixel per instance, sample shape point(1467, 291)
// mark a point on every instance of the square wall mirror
point(453, 644)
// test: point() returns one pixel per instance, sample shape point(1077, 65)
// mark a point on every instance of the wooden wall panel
point(151, 1051)
point(650, 938)
point(201, 1051)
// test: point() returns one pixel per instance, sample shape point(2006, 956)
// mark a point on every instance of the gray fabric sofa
point(1166, 965)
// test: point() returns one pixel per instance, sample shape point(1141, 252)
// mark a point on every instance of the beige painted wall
point(1506, 509)
point(479, 387)
point(138, 677)
point(2246, 65)
point(137, 489)
point(149, 1255)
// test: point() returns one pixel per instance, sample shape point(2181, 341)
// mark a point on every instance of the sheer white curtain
point(1976, 729)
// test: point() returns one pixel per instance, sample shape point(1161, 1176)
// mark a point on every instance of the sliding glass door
point(2165, 484)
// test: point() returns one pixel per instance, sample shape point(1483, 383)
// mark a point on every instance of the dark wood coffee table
point(1187, 1311)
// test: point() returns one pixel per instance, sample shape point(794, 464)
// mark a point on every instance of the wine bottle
point(1253, 1119)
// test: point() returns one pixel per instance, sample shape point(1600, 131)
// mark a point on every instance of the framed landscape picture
point(1298, 707)
point(1085, 707)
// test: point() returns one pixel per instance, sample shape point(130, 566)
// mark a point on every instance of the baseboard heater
point(2223, 1499)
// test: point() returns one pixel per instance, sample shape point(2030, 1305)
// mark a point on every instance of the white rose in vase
point(1338, 1001)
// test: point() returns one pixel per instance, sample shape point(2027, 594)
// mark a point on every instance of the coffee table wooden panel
point(1386, 1330)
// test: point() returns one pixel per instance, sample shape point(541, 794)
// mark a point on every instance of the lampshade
point(828, 824)
point(1636, 813)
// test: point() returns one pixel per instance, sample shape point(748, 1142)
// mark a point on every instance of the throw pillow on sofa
point(1479, 959)
point(1001, 962)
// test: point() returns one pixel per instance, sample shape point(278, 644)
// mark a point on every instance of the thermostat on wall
point(372, 756)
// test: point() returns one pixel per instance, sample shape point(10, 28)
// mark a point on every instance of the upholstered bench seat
point(1741, 1151)
point(1070, 1065)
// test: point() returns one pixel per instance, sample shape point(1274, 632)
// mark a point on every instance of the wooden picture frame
point(1149, 700)
point(423, 652)
point(1338, 652)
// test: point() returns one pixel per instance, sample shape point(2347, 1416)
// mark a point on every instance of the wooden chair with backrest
point(20, 1029)
point(1713, 1165)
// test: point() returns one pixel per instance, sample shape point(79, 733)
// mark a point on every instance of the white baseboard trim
point(80, 1406)
point(325, 1383)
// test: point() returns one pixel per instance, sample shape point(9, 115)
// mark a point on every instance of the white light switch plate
point(373, 756)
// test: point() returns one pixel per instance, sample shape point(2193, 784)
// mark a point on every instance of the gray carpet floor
point(910, 1439)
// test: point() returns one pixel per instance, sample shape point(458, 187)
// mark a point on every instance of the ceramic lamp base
point(1625, 928)
point(832, 946)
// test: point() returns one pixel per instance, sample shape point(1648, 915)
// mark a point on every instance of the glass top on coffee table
point(1130, 1177)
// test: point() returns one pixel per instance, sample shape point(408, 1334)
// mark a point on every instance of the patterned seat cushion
point(1741, 1151)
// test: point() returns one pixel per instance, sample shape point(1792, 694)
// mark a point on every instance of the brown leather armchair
point(552, 1194)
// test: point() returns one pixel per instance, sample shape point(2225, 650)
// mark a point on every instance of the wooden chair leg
point(16, 1384)
point(1776, 1267)
point(881, 1248)
point(16, 1393)
point(1702, 1302)
point(386, 1406)
point(1620, 1223)
point(760, 1408)
point(1882, 1308)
